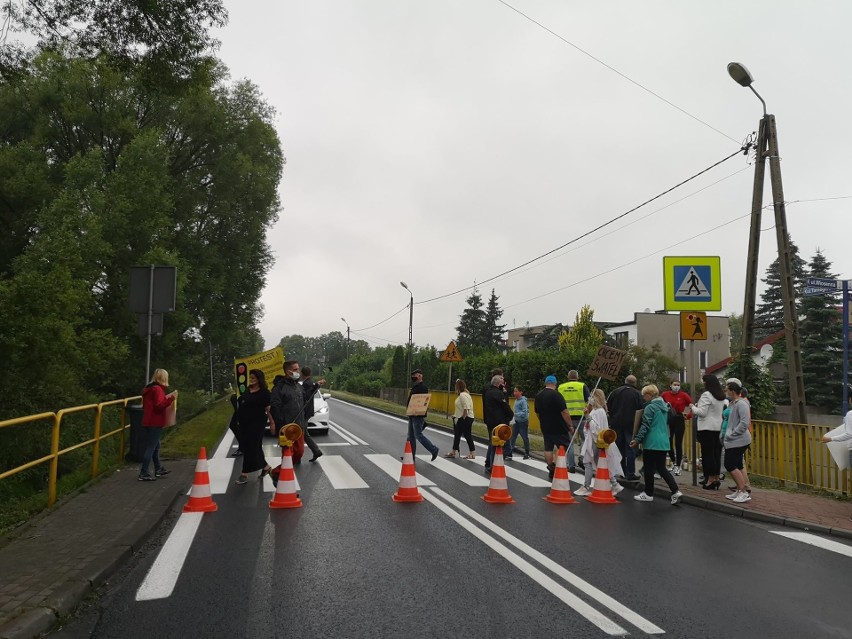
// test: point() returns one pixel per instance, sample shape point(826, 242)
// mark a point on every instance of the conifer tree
point(493, 313)
point(769, 314)
point(472, 328)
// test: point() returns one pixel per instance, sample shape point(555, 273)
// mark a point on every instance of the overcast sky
point(443, 142)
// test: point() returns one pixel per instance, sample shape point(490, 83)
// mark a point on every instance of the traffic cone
point(200, 500)
point(560, 491)
point(408, 491)
point(602, 488)
point(498, 487)
point(286, 495)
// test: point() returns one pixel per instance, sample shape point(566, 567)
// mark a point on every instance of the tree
point(758, 382)
point(649, 366)
point(584, 335)
point(735, 324)
point(493, 313)
point(769, 315)
point(473, 329)
point(548, 339)
point(398, 371)
point(822, 343)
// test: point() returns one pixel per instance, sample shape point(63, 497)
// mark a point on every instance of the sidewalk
point(53, 563)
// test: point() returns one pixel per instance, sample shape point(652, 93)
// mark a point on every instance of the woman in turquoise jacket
point(654, 436)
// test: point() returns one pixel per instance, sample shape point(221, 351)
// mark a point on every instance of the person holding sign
point(417, 423)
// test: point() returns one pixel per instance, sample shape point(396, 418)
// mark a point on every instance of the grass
point(434, 418)
point(205, 429)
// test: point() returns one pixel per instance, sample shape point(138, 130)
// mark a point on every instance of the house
point(760, 353)
point(519, 339)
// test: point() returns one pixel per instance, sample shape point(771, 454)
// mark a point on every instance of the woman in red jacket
point(679, 401)
point(155, 403)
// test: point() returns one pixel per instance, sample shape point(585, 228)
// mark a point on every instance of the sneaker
point(320, 454)
point(742, 497)
point(507, 457)
point(527, 456)
point(733, 495)
point(676, 470)
point(657, 476)
point(633, 478)
point(147, 478)
point(242, 479)
point(161, 473)
point(582, 491)
point(643, 497)
point(676, 497)
point(617, 488)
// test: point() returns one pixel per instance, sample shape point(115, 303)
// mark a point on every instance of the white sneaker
point(741, 497)
point(643, 497)
point(676, 470)
point(617, 488)
point(733, 495)
point(582, 491)
point(676, 497)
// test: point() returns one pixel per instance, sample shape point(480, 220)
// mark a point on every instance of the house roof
point(711, 370)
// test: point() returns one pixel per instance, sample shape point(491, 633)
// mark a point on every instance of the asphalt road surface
point(352, 563)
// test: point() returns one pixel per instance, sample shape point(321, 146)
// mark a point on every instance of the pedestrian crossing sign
point(692, 283)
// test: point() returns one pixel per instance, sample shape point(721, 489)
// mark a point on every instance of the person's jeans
point(628, 455)
point(522, 429)
point(416, 426)
point(151, 436)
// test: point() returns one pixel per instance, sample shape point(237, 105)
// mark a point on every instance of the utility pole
point(767, 148)
point(347, 337)
point(410, 324)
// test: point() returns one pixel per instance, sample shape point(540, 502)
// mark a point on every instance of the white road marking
point(337, 430)
point(333, 443)
point(438, 431)
point(393, 467)
point(518, 475)
point(606, 602)
point(814, 540)
point(457, 470)
point(546, 582)
point(220, 470)
point(340, 473)
point(224, 448)
point(163, 575)
point(352, 435)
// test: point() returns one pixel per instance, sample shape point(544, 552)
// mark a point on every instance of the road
point(352, 563)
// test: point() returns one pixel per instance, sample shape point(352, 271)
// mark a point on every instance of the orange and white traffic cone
point(200, 499)
point(560, 490)
point(408, 491)
point(498, 487)
point(602, 488)
point(286, 495)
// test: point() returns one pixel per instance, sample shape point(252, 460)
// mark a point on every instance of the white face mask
point(675, 388)
point(294, 375)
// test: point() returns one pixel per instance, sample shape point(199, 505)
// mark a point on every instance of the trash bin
point(135, 443)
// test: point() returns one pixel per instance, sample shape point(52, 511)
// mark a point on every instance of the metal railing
point(55, 452)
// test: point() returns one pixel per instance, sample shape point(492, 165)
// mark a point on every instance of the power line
point(743, 149)
point(614, 70)
point(382, 322)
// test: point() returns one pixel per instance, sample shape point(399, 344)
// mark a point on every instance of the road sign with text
point(823, 282)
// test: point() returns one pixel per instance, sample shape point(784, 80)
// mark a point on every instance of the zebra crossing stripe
point(456, 470)
point(393, 467)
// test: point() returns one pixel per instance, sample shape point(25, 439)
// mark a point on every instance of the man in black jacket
point(623, 403)
point(495, 411)
point(287, 405)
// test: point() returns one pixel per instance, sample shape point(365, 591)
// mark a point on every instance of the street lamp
point(767, 148)
point(347, 337)
point(410, 323)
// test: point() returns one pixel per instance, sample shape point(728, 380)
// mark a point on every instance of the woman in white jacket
point(708, 412)
point(842, 434)
point(595, 423)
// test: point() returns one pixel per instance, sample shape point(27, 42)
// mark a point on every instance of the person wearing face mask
point(252, 417)
point(679, 401)
point(417, 423)
point(288, 407)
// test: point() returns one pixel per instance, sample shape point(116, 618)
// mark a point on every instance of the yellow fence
point(780, 451)
point(55, 453)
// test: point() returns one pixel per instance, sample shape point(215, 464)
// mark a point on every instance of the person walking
point(623, 403)
point(678, 400)
point(417, 423)
point(654, 436)
point(842, 433)
point(253, 418)
point(555, 421)
point(310, 387)
point(520, 424)
point(462, 422)
point(155, 404)
point(737, 441)
point(495, 411)
point(708, 412)
point(576, 395)
point(288, 405)
point(595, 423)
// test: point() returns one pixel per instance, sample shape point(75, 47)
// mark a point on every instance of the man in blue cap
point(556, 423)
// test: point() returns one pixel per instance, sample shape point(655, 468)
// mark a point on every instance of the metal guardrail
point(55, 452)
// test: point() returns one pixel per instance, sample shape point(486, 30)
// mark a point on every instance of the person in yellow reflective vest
point(576, 395)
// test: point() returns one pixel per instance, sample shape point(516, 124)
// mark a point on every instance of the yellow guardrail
point(780, 451)
point(55, 452)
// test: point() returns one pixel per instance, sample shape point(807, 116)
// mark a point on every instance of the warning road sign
point(451, 354)
point(693, 325)
point(692, 283)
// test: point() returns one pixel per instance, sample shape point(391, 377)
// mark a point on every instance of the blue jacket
point(522, 409)
point(654, 431)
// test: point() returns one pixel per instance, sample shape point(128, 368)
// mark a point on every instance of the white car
point(318, 423)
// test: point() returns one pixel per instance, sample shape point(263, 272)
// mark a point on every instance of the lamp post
point(410, 323)
point(347, 337)
point(767, 148)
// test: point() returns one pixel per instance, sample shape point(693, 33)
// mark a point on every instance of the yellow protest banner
point(270, 363)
